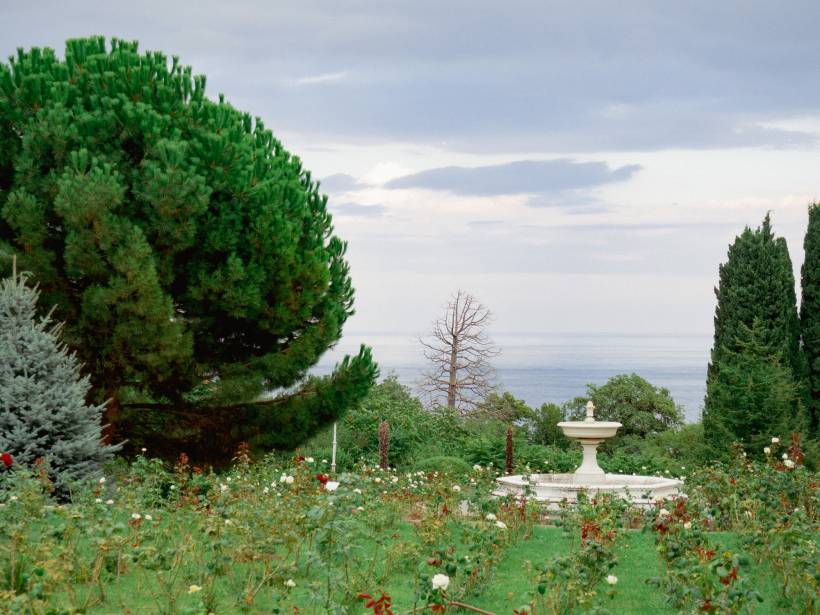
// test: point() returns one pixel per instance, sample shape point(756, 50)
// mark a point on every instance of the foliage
point(276, 536)
point(697, 577)
point(544, 426)
point(756, 291)
point(574, 583)
point(751, 394)
point(504, 407)
point(415, 433)
point(190, 255)
point(775, 504)
point(444, 465)
point(43, 413)
point(810, 311)
point(639, 406)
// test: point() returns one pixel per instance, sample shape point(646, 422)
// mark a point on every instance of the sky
point(577, 166)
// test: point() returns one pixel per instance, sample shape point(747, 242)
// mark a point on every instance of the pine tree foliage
point(43, 413)
point(756, 290)
point(190, 255)
point(810, 311)
point(752, 395)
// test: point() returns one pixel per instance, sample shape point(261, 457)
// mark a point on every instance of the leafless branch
point(459, 351)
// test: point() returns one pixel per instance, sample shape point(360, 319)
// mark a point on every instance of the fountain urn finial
point(590, 412)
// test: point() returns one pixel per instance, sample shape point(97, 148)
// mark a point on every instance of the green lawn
point(139, 593)
point(637, 561)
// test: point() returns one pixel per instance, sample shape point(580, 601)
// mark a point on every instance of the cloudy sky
point(579, 166)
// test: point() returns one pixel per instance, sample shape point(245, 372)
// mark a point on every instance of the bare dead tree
point(459, 351)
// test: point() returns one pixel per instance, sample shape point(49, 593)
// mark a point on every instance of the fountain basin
point(552, 489)
point(589, 430)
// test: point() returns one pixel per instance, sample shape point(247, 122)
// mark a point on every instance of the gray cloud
point(358, 210)
point(481, 75)
point(520, 177)
point(340, 182)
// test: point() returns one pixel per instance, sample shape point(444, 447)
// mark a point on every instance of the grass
point(637, 561)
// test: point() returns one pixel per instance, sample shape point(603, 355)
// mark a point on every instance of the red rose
point(300, 459)
point(7, 460)
point(322, 478)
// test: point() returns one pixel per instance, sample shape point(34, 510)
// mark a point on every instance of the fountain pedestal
point(589, 466)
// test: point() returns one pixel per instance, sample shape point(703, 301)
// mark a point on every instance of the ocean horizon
point(556, 367)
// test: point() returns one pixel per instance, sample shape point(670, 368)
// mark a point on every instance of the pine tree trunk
point(111, 417)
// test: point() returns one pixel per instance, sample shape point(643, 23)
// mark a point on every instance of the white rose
point(477, 468)
point(109, 502)
point(775, 440)
point(767, 450)
point(309, 459)
point(440, 582)
point(687, 525)
point(785, 455)
point(102, 480)
point(456, 488)
point(331, 485)
point(612, 579)
point(663, 513)
point(501, 525)
point(136, 516)
point(149, 518)
point(490, 517)
point(290, 583)
point(98, 500)
point(357, 490)
point(289, 480)
point(789, 463)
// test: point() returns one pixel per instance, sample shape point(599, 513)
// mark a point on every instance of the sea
point(547, 367)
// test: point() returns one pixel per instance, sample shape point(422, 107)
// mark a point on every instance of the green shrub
point(444, 464)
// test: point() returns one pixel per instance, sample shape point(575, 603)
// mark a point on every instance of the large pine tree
point(190, 255)
point(756, 291)
point(810, 312)
point(43, 413)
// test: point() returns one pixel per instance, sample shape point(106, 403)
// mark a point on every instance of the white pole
point(333, 452)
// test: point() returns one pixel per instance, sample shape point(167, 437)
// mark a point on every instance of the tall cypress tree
point(43, 413)
point(756, 290)
point(810, 312)
point(752, 394)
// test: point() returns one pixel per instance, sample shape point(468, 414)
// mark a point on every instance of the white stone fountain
point(552, 489)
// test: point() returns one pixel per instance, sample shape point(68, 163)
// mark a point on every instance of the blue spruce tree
point(43, 412)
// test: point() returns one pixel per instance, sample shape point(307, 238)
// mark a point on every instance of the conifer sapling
point(43, 412)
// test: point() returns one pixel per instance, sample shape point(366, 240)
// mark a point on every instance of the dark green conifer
point(190, 255)
point(756, 290)
point(752, 395)
point(810, 312)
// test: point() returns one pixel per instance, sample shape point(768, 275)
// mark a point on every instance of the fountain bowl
point(589, 430)
point(553, 489)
